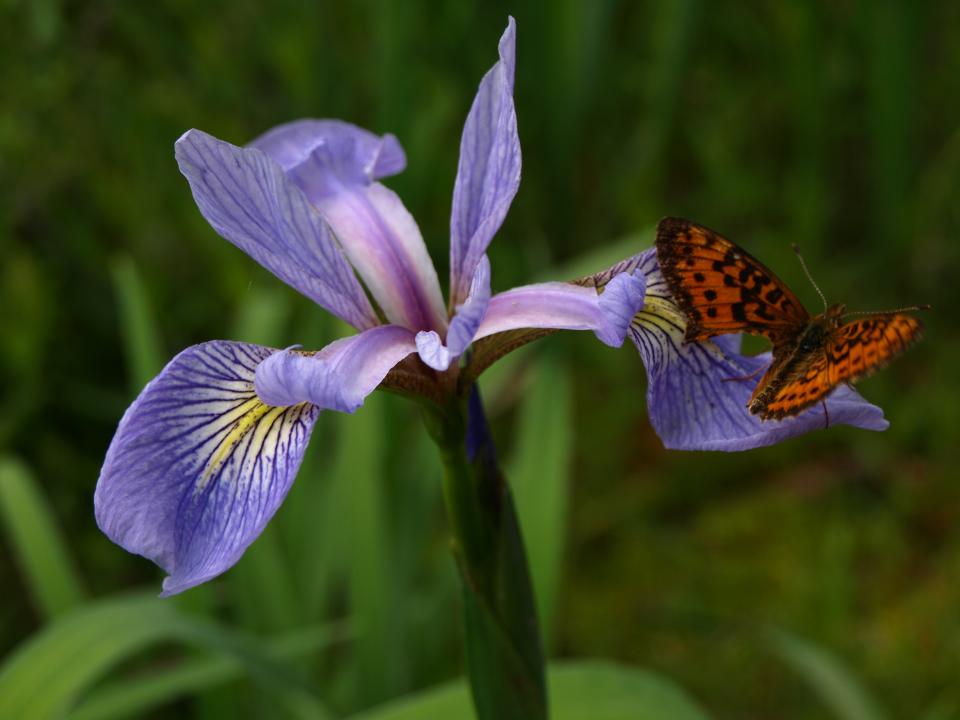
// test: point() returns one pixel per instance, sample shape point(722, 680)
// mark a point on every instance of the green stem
point(504, 651)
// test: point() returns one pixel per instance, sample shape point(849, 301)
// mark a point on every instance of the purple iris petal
point(248, 199)
point(384, 244)
point(338, 377)
point(335, 165)
point(697, 392)
point(464, 325)
point(199, 465)
point(488, 173)
point(566, 306)
point(372, 156)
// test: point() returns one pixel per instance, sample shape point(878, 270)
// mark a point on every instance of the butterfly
point(723, 289)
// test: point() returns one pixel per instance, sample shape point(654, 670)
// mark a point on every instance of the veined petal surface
point(437, 354)
point(248, 199)
point(488, 173)
point(370, 157)
point(199, 464)
point(338, 377)
point(697, 392)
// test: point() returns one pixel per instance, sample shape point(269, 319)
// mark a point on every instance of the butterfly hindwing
point(722, 288)
point(862, 346)
point(779, 394)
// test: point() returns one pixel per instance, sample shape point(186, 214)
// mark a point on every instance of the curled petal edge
point(565, 306)
point(437, 354)
point(338, 377)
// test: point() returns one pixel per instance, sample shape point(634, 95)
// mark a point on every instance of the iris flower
point(205, 455)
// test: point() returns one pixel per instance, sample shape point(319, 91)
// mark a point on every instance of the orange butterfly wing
point(809, 383)
point(722, 288)
point(867, 344)
point(851, 351)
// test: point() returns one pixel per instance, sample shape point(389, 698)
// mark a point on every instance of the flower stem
point(504, 651)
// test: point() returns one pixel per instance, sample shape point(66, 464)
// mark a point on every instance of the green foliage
point(827, 677)
point(44, 677)
point(540, 477)
point(831, 125)
point(599, 691)
point(37, 541)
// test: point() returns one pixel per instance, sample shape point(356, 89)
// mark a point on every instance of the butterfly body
point(723, 289)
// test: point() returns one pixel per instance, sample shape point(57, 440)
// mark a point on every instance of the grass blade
point(360, 471)
point(37, 542)
point(833, 683)
point(540, 478)
point(137, 323)
point(46, 675)
point(132, 698)
point(595, 690)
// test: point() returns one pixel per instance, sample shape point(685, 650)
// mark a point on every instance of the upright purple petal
point(338, 377)
point(437, 354)
point(372, 156)
point(697, 392)
point(336, 164)
point(248, 200)
point(199, 464)
point(488, 173)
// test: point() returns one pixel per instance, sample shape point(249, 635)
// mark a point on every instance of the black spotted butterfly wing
point(722, 289)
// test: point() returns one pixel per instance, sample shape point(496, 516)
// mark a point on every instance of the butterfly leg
point(742, 378)
point(826, 414)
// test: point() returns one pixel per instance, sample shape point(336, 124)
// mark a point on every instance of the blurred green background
point(818, 578)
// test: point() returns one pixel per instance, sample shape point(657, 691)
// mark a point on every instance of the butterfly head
point(834, 313)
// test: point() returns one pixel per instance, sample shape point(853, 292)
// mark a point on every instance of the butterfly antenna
point(809, 276)
point(912, 308)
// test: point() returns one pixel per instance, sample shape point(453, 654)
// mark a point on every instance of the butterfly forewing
point(862, 346)
point(722, 288)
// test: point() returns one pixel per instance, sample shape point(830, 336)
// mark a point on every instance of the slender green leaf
point(37, 543)
point(133, 697)
point(540, 478)
point(833, 683)
point(360, 469)
point(262, 315)
point(137, 323)
point(48, 673)
point(578, 690)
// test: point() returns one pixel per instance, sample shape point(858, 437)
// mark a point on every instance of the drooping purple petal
point(338, 377)
point(437, 354)
point(248, 200)
point(198, 464)
point(566, 306)
point(697, 392)
point(488, 173)
point(371, 156)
